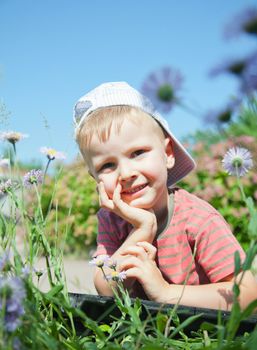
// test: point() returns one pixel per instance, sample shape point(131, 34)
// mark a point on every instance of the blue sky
point(54, 51)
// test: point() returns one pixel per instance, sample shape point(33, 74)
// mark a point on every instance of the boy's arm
point(145, 228)
point(214, 295)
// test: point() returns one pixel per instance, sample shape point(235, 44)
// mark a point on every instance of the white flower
point(237, 161)
point(52, 153)
point(12, 136)
point(100, 261)
point(4, 163)
point(116, 276)
point(6, 186)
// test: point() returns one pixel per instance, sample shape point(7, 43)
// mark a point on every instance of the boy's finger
point(129, 262)
point(116, 193)
point(135, 251)
point(118, 202)
point(103, 197)
point(134, 272)
point(149, 248)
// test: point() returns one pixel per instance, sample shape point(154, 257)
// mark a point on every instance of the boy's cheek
point(109, 188)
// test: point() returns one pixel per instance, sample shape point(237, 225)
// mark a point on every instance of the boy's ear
point(169, 153)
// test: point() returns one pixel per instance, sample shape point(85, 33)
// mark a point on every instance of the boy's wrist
point(147, 230)
point(150, 229)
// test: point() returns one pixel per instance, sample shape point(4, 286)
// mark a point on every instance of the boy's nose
point(126, 173)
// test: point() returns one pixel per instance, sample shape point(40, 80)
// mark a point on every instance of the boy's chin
point(137, 204)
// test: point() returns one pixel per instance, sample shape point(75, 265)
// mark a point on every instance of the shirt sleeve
point(112, 231)
point(215, 248)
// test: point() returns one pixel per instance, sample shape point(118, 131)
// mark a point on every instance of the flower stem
point(47, 166)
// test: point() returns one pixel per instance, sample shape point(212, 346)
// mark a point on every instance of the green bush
point(211, 183)
point(73, 196)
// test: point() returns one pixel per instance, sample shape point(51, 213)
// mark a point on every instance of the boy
point(172, 245)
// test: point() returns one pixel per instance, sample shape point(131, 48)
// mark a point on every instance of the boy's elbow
point(248, 290)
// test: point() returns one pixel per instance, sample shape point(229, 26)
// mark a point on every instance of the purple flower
point(222, 116)
point(237, 161)
point(100, 261)
point(16, 344)
point(245, 21)
point(34, 176)
point(217, 117)
point(234, 66)
point(116, 276)
point(249, 75)
point(245, 69)
point(12, 296)
point(52, 153)
point(6, 186)
point(162, 87)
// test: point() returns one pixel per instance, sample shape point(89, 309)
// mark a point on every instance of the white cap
point(120, 93)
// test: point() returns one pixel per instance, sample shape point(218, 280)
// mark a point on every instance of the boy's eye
point(106, 166)
point(138, 152)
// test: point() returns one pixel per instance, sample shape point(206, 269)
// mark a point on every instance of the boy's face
point(137, 157)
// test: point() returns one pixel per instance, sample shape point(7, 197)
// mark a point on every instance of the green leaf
point(207, 326)
point(186, 323)
point(234, 320)
point(153, 347)
point(249, 310)
point(105, 328)
point(55, 290)
point(252, 226)
point(250, 204)
point(249, 258)
point(237, 261)
point(161, 321)
point(236, 290)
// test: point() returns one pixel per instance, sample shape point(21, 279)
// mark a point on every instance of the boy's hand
point(140, 249)
point(139, 218)
point(139, 264)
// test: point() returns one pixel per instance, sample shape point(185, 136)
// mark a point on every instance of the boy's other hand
point(139, 264)
point(140, 249)
point(139, 218)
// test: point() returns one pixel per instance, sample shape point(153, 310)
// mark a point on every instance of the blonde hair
point(101, 121)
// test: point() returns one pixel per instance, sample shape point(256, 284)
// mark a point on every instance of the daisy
point(100, 261)
point(237, 161)
point(52, 153)
point(116, 276)
point(162, 87)
point(12, 136)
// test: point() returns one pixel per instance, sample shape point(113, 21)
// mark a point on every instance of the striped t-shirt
point(196, 247)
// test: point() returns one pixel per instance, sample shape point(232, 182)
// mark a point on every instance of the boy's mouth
point(134, 189)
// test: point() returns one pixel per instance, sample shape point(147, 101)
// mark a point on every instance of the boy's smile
point(136, 157)
point(133, 190)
